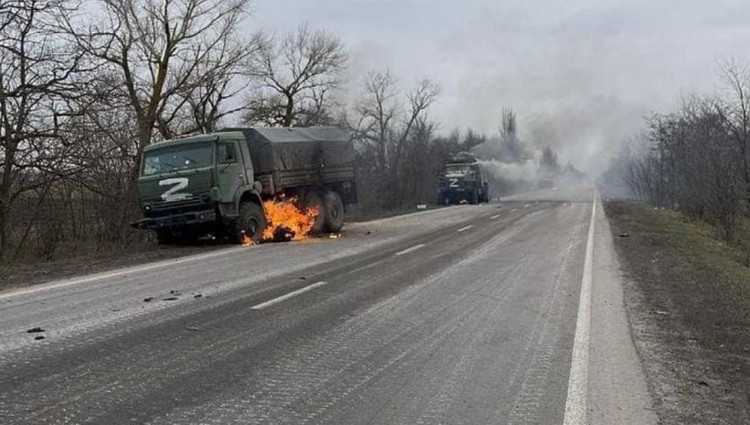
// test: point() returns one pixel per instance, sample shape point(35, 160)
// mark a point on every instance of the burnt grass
point(688, 300)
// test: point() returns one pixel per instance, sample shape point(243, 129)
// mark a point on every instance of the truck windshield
point(464, 171)
point(177, 158)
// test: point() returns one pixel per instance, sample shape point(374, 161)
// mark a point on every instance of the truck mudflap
point(176, 220)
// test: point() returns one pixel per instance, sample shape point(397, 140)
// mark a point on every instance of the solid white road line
point(463, 229)
point(495, 217)
point(576, 404)
point(282, 298)
point(408, 250)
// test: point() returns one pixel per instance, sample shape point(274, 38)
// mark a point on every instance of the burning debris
point(285, 221)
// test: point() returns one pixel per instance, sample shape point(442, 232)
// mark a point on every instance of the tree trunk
point(289, 111)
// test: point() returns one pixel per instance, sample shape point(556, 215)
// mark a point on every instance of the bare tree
point(737, 112)
point(376, 113)
point(294, 77)
point(386, 128)
point(35, 85)
point(215, 81)
point(511, 148)
point(162, 50)
point(419, 100)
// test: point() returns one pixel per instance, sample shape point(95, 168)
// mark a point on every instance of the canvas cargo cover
point(292, 149)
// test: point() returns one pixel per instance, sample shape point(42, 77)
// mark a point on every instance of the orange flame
point(286, 221)
point(247, 240)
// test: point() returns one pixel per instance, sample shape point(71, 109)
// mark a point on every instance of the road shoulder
point(688, 303)
point(617, 383)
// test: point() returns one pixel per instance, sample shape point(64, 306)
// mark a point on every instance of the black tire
point(165, 237)
point(314, 200)
point(474, 198)
point(251, 222)
point(334, 211)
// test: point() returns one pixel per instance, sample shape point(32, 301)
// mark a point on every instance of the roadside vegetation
point(684, 239)
point(688, 299)
point(695, 160)
point(86, 85)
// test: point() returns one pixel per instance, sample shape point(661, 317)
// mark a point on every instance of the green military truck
point(216, 183)
point(463, 181)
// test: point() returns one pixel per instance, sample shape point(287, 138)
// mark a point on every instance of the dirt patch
point(688, 298)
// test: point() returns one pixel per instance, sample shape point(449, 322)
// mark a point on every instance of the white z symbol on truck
point(172, 194)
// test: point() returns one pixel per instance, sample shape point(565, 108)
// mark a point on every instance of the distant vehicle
point(463, 181)
point(217, 182)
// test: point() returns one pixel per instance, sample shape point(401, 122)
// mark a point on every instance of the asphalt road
point(464, 315)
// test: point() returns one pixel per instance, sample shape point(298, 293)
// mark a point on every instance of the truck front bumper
point(176, 220)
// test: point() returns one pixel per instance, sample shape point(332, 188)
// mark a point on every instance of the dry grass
point(691, 311)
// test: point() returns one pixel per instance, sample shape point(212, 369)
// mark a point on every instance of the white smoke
point(526, 171)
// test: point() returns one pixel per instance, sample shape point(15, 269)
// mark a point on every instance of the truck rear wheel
point(251, 222)
point(314, 200)
point(334, 211)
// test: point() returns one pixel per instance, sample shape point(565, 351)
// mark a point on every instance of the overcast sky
point(581, 74)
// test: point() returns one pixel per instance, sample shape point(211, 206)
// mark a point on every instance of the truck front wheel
point(474, 197)
point(165, 237)
point(251, 222)
point(333, 208)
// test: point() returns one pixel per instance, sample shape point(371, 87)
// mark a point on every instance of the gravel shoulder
point(687, 295)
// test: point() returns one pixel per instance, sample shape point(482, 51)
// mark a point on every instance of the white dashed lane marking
point(495, 217)
point(463, 229)
point(408, 250)
point(283, 298)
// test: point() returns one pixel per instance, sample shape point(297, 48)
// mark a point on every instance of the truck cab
point(463, 181)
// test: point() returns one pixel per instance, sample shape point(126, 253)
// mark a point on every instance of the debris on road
point(192, 328)
point(38, 337)
point(334, 235)
point(170, 299)
point(35, 330)
point(198, 296)
point(624, 235)
point(148, 299)
point(283, 234)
